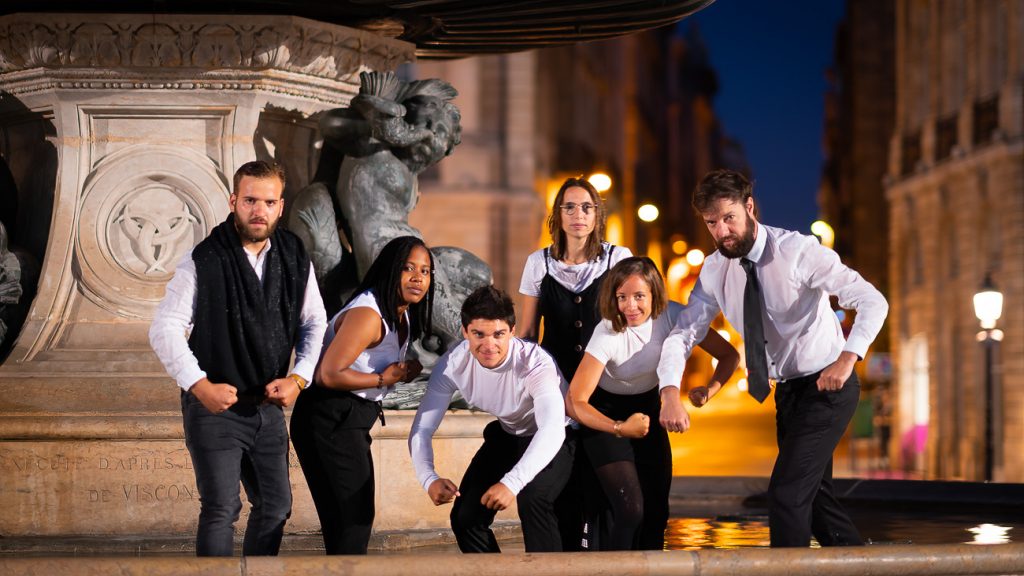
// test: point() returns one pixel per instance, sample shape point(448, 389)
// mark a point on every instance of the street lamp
point(822, 230)
point(988, 307)
point(648, 212)
point(600, 181)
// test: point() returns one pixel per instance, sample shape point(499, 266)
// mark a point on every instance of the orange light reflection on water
point(696, 533)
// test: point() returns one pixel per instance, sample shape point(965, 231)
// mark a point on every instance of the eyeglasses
point(570, 207)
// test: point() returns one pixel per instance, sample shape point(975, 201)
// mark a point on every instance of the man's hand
point(674, 417)
point(282, 391)
point(442, 491)
point(833, 377)
point(635, 426)
point(498, 497)
point(214, 397)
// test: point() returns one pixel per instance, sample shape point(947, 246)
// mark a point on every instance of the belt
point(798, 379)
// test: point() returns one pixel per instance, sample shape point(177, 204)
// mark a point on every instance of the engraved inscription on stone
point(150, 229)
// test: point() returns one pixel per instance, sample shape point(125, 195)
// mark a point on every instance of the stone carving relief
point(151, 229)
point(10, 281)
point(207, 42)
point(143, 207)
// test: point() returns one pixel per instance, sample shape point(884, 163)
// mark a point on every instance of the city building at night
point(955, 190)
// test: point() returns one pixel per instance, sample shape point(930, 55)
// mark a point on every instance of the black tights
point(621, 486)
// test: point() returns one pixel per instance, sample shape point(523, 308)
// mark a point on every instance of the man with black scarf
point(236, 308)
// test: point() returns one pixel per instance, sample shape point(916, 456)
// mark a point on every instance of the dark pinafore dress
point(569, 322)
point(569, 317)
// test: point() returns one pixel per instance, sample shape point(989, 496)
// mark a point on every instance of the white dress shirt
point(169, 332)
point(525, 393)
point(802, 333)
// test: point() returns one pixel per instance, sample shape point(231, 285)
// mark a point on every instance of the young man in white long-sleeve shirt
point(526, 456)
point(774, 284)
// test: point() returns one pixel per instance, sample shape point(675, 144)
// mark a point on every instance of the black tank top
point(569, 317)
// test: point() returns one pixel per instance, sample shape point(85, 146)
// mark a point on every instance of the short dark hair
point(721, 184)
point(384, 280)
point(488, 303)
point(641, 266)
point(258, 169)
point(559, 243)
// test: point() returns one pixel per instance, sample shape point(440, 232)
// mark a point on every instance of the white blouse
point(372, 360)
point(574, 277)
point(631, 357)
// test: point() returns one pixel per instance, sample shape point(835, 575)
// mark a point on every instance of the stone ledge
point(933, 560)
point(167, 425)
point(385, 541)
point(152, 42)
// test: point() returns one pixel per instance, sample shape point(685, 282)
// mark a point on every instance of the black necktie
point(753, 335)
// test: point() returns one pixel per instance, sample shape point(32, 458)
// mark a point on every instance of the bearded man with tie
point(775, 285)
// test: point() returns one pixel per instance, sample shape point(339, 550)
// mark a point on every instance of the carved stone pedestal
point(122, 134)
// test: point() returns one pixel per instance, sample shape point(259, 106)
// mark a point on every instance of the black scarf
point(244, 330)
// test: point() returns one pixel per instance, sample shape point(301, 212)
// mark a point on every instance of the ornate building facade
point(955, 190)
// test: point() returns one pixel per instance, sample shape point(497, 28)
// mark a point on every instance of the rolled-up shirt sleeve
point(549, 415)
point(690, 328)
point(312, 325)
point(433, 406)
point(168, 334)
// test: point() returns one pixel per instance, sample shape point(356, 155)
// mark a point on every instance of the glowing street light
point(822, 230)
point(647, 212)
point(988, 307)
point(695, 257)
point(601, 181)
point(988, 304)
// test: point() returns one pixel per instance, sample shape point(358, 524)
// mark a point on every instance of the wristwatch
point(299, 380)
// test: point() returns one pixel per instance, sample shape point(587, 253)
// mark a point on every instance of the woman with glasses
point(363, 358)
point(560, 285)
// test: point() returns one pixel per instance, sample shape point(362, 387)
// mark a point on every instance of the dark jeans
point(331, 435)
point(801, 500)
point(471, 521)
point(248, 443)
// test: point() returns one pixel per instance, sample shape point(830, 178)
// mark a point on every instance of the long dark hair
point(384, 279)
point(559, 243)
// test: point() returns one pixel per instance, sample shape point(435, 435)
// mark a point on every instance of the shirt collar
point(757, 250)
point(643, 331)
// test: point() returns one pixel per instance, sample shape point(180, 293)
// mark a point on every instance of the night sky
point(771, 59)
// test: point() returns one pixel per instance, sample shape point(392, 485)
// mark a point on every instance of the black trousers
point(248, 443)
point(471, 520)
point(801, 499)
point(331, 435)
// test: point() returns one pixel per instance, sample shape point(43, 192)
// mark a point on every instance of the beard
point(742, 244)
point(251, 234)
